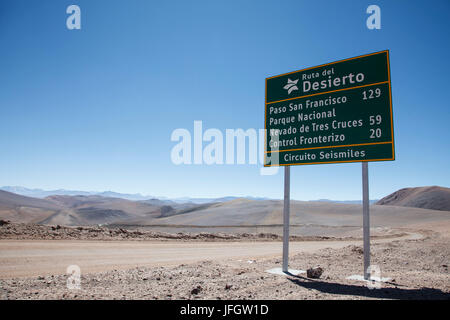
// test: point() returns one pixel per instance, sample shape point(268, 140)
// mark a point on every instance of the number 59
point(375, 119)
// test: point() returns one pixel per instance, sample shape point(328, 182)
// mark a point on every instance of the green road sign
point(332, 113)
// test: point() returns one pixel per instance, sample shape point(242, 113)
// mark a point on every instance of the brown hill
point(89, 210)
point(12, 200)
point(307, 217)
point(19, 208)
point(435, 198)
point(72, 210)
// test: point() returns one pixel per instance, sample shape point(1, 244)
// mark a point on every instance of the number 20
point(375, 133)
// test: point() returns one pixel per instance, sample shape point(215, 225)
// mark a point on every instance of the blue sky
point(93, 109)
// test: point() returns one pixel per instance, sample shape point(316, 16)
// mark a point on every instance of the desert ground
point(219, 250)
point(204, 266)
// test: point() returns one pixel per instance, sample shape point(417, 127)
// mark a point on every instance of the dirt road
point(25, 258)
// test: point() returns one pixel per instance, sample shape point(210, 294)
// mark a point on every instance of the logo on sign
point(291, 86)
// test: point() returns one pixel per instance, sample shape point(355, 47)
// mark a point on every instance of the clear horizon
point(187, 197)
point(94, 109)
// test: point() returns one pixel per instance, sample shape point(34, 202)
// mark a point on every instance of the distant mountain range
point(345, 201)
point(40, 193)
point(95, 209)
point(208, 200)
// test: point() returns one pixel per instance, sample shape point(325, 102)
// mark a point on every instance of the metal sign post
point(366, 219)
point(287, 203)
point(336, 112)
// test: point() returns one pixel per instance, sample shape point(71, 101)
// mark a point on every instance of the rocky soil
point(22, 231)
point(418, 268)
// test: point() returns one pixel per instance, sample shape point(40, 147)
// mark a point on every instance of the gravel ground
point(418, 268)
point(19, 231)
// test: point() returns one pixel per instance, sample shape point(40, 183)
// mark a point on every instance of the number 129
point(371, 94)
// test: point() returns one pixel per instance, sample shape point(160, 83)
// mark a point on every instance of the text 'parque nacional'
point(336, 112)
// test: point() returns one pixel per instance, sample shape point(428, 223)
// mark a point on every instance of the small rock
point(4, 222)
point(196, 290)
point(314, 273)
point(40, 278)
point(357, 249)
point(228, 286)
